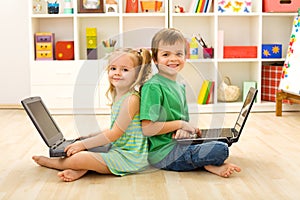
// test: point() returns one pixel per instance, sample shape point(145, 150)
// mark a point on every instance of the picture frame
point(91, 6)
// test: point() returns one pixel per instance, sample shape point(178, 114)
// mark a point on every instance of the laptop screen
point(245, 110)
point(43, 122)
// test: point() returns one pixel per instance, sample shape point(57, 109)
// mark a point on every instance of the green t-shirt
point(162, 100)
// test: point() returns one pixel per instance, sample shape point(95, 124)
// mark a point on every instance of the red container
point(240, 51)
point(281, 5)
point(64, 50)
point(270, 79)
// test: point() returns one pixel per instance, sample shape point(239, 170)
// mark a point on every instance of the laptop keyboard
point(212, 133)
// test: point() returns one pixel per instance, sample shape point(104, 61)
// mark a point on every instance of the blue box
point(271, 51)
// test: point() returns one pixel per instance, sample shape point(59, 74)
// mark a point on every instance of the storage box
point(271, 51)
point(233, 6)
point(64, 50)
point(240, 51)
point(44, 46)
point(270, 79)
point(281, 5)
point(151, 5)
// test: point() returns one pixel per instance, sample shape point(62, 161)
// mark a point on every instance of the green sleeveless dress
point(129, 153)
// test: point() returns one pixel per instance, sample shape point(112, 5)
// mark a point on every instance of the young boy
point(164, 114)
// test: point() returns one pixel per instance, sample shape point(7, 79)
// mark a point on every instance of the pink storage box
point(281, 5)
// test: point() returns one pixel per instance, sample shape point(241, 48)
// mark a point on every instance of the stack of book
point(206, 92)
point(200, 6)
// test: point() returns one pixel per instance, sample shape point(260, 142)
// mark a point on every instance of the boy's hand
point(74, 148)
point(189, 128)
point(198, 132)
point(182, 134)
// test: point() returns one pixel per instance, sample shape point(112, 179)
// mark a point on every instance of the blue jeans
point(192, 157)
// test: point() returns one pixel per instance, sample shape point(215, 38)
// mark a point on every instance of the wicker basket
point(228, 92)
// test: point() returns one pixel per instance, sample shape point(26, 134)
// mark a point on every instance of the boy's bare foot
point(224, 170)
point(69, 175)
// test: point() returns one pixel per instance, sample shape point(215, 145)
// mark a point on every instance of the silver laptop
point(228, 135)
point(48, 129)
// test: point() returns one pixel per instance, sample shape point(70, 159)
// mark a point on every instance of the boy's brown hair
point(168, 36)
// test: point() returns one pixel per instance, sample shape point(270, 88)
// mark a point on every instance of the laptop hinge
point(58, 143)
point(235, 132)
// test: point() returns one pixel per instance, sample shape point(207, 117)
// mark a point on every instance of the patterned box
point(270, 79)
point(234, 6)
point(271, 51)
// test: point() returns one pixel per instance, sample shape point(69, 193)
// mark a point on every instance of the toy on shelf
point(179, 9)
point(39, 7)
point(64, 50)
point(44, 46)
point(132, 6)
point(68, 9)
point(91, 43)
point(109, 46)
point(194, 49)
point(111, 6)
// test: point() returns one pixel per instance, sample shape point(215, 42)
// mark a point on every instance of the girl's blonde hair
point(142, 59)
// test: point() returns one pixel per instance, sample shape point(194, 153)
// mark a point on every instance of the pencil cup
point(108, 50)
point(208, 52)
point(53, 8)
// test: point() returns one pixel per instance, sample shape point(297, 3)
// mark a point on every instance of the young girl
point(127, 71)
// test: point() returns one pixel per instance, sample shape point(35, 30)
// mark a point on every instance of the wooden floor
point(268, 153)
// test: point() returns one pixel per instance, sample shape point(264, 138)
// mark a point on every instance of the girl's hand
point(74, 148)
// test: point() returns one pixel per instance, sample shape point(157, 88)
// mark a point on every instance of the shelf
point(137, 29)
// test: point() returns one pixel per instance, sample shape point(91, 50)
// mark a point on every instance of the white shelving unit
point(79, 85)
point(240, 29)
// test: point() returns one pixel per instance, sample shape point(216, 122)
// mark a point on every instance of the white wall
point(14, 56)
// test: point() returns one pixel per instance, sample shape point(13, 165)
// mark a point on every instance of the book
point(206, 93)
point(203, 91)
point(210, 92)
point(202, 6)
point(208, 7)
point(193, 6)
point(199, 6)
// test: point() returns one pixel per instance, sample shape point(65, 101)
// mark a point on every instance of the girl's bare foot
point(69, 175)
point(224, 170)
point(41, 160)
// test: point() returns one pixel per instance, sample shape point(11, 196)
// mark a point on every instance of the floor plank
point(268, 153)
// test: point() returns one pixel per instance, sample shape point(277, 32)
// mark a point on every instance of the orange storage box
point(281, 5)
point(240, 51)
point(151, 5)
